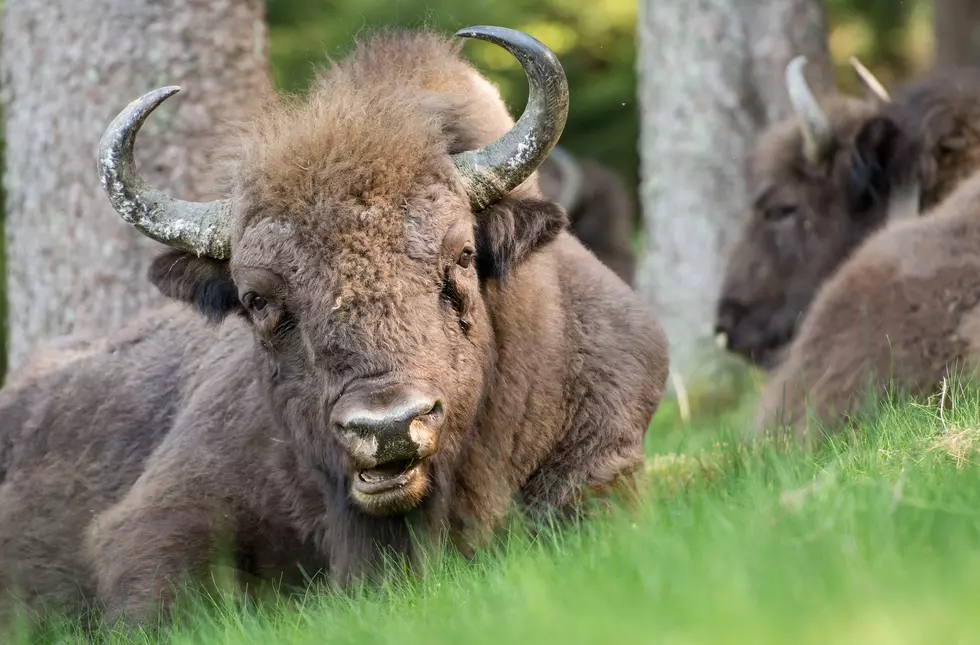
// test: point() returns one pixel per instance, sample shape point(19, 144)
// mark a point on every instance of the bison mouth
point(386, 477)
point(391, 488)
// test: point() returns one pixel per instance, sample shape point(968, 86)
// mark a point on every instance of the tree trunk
point(711, 79)
point(956, 29)
point(69, 66)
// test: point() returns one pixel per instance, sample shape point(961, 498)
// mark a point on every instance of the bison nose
point(378, 427)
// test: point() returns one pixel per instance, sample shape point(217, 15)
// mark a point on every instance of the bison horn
point(869, 80)
point(498, 168)
point(196, 227)
point(813, 122)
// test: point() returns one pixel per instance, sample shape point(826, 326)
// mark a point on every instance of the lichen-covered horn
point(870, 81)
point(196, 227)
point(491, 172)
point(813, 121)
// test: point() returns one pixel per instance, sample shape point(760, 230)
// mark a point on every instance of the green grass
point(873, 539)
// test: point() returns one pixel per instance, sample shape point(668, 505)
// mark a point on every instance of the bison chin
point(392, 488)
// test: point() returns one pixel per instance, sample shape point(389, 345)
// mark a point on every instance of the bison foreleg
point(152, 541)
point(574, 488)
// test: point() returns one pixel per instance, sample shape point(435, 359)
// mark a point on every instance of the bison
point(824, 181)
point(601, 211)
point(384, 338)
point(900, 314)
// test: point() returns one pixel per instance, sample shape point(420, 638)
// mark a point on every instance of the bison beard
point(391, 338)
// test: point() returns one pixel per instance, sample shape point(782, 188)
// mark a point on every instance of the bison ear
point(510, 231)
point(884, 158)
point(202, 282)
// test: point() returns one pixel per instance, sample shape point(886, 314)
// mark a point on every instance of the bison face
point(794, 237)
point(375, 338)
point(372, 332)
point(806, 219)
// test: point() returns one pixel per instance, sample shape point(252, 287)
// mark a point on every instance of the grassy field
point(874, 539)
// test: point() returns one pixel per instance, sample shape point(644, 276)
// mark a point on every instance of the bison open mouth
point(390, 476)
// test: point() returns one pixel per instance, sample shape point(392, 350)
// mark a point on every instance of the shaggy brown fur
point(903, 309)
point(806, 220)
point(602, 216)
point(126, 465)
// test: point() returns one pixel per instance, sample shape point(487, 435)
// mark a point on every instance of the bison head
point(820, 183)
point(362, 229)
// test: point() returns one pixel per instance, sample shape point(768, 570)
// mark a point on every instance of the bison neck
point(313, 498)
point(522, 417)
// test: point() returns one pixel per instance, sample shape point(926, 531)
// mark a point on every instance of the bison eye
point(253, 302)
point(465, 258)
point(778, 213)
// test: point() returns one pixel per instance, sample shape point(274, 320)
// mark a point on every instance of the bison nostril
point(388, 425)
point(434, 411)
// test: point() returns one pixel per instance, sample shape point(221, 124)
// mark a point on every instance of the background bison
point(825, 181)
point(601, 211)
point(395, 336)
point(902, 313)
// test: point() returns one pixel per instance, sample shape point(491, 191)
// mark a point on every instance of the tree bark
point(711, 79)
point(956, 29)
point(69, 66)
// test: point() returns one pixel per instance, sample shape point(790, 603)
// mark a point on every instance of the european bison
point(601, 211)
point(826, 180)
point(394, 337)
point(900, 312)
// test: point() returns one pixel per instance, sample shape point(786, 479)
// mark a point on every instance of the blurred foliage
point(892, 37)
point(596, 42)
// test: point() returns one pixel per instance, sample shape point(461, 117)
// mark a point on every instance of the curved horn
point(196, 227)
point(571, 178)
point(869, 80)
point(491, 172)
point(813, 122)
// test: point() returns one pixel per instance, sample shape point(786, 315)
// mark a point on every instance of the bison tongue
point(376, 476)
point(386, 473)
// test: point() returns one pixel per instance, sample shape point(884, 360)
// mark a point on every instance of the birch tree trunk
point(711, 79)
point(69, 66)
point(956, 29)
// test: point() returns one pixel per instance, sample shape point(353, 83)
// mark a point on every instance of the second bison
point(826, 180)
point(900, 315)
point(601, 211)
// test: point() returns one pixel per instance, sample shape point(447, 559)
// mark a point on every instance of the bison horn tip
point(869, 80)
point(491, 172)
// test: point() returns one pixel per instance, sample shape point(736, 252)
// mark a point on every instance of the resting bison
point(899, 312)
point(394, 336)
point(601, 211)
point(824, 182)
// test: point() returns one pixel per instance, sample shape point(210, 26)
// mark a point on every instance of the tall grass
point(875, 538)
